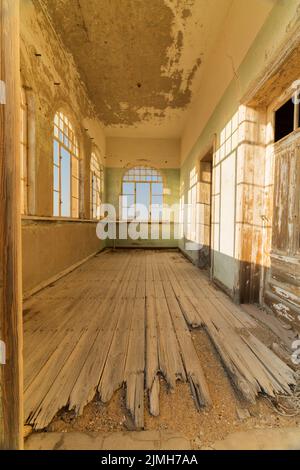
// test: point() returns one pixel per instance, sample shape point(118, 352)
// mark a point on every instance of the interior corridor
point(150, 219)
point(123, 319)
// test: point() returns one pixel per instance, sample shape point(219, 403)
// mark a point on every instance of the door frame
point(210, 148)
point(11, 326)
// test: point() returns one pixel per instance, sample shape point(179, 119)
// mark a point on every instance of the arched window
point(24, 152)
point(65, 168)
point(142, 185)
point(96, 184)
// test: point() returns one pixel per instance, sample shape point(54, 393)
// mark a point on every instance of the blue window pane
point(66, 141)
point(55, 152)
point(143, 195)
point(56, 178)
point(128, 188)
point(129, 201)
point(65, 183)
point(157, 200)
point(157, 188)
point(55, 204)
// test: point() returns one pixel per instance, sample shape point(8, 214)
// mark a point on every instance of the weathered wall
point(160, 153)
point(243, 21)
point(232, 132)
point(50, 247)
point(52, 82)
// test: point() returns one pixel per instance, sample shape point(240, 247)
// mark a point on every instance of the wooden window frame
point(132, 176)
point(275, 106)
point(192, 209)
point(293, 248)
point(96, 177)
point(63, 127)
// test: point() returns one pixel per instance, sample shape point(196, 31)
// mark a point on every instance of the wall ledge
point(36, 218)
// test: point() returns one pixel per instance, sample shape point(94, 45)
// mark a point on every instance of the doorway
point(205, 205)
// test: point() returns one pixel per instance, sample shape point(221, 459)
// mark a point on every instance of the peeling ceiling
point(141, 60)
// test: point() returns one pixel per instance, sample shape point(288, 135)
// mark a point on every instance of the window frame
point(69, 133)
point(98, 175)
point(274, 149)
point(192, 223)
point(276, 105)
point(133, 179)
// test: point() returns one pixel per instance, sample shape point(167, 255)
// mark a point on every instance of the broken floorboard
point(123, 318)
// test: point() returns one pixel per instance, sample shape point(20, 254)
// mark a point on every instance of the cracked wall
point(52, 82)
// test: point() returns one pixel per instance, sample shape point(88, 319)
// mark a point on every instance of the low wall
point(52, 246)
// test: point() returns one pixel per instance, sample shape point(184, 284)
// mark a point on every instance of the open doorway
point(205, 204)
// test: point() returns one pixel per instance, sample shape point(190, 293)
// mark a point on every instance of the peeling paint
point(130, 55)
point(283, 311)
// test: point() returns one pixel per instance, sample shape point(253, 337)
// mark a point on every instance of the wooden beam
point(10, 234)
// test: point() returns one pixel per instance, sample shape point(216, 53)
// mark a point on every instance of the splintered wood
point(124, 318)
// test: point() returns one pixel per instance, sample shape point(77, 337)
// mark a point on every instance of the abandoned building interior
point(186, 321)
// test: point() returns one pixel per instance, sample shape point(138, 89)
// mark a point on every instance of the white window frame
point(192, 228)
point(96, 186)
point(138, 175)
point(65, 137)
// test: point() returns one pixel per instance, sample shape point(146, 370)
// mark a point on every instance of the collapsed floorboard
point(123, 318)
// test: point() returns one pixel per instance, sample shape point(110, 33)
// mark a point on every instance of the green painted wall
point(284, 15)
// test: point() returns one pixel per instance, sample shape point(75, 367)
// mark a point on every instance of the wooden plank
point(11, 373)
point(287, 336)
point(133, 332)
point(135, 365)
point(191, 360)
point(90, 375)
point(227, 325)
point(113, 374)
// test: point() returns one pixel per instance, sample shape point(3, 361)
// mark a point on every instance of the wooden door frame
point(11, 327)
point(213, 146)
point(210, 151)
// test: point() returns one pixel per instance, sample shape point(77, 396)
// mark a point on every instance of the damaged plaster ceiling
point(141, 60)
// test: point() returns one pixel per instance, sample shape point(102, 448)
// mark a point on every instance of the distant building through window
point(65, 168)
point(142, 186)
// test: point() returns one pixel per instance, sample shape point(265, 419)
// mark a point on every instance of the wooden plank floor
point(124, 317)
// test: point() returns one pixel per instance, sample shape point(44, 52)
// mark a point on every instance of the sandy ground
point(177, 410)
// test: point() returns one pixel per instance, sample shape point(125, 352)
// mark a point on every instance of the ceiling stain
point(128, 54)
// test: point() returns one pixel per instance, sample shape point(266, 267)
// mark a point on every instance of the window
point(96, 182)
point(142, 185)
point(286, 119)
point(181, 216)
point(24, 152)
point(192, 215)
point(65, 168)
